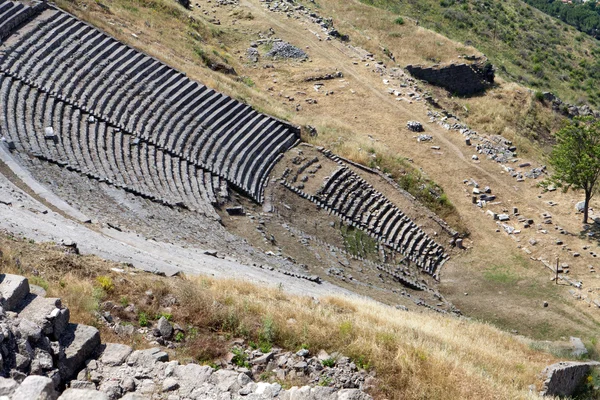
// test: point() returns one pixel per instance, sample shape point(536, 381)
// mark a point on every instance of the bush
point(399, 21)
point(105, 283)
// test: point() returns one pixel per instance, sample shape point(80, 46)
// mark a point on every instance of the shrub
point(399, 21)
point(105, 283)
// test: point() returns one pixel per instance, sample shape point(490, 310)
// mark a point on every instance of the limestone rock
point(115, 354)
point(165, 328)
point(78, 343)
point(13, 288)
point(36, 387)
point(80, 394)
point(7, 386)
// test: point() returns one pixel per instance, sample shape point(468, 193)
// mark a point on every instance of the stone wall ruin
point(460, 79)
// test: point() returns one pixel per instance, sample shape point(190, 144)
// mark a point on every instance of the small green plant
point(179, 336)
point(124, 301)
point(325, 381)
point(361, 362)
point(253, 345)
point(399, 21)
point(167, 316)
point(143, 319)
point(267, 331)
point(105, 283)
point(330, 362)
point(239, 358)
point(265, 347)
point(247, 81)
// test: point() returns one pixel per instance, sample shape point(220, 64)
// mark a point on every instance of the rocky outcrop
point(42, 355)
point(37, 339)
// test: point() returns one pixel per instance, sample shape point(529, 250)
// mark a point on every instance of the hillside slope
point(526, 45)
point(414, 355)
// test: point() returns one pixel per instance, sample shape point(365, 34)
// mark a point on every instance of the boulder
point(147, 358)
point(7, 386)
point(115, 354)
point(13, 288)
point(264, 359)
point(579, 349)
point(165, 328)
point(77, 344)
point(36, 387)
point(47, 313)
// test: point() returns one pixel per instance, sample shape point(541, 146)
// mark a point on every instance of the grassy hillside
point(526, 45)
point(415, 355)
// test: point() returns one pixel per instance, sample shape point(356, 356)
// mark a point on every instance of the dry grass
point(511, 111)
point(416, 356)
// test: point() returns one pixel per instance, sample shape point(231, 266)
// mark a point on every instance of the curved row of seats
point(350, 196)
point(101, 151)
point(139, 94)
point(13, 14)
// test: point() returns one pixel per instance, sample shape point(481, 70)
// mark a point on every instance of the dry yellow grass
point(416, 355)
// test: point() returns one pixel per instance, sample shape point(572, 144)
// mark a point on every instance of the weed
point(399, 21)
point(358, 243)
point(247, 81)
point(268, 330)
point(330, 362)
point(240, 358)
point(325, 381)
point(179, 336)
point(143, 319)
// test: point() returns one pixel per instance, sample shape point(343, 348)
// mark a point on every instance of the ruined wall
point(564, 378)
point(462, 79)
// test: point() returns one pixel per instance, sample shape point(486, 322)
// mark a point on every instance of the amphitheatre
point(334, 167)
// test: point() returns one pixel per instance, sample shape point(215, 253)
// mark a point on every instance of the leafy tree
point(576, 157)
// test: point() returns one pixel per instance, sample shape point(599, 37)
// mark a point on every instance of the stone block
point(36, 387)
point(78, 343)
point(115, 354)
point(13, 288)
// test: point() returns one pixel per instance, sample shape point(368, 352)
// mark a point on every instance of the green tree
point(576, 157)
